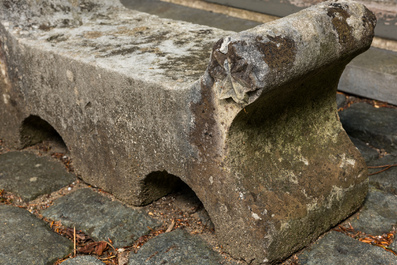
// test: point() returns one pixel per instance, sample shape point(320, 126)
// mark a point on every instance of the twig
point(107, 258)
point(169, 229)
point(386, 167)
point(382, 241)
point(111, 245)
point(74, 241)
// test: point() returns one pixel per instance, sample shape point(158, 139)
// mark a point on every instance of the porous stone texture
point(337, 248)
point(255, 135)
point(24, 239)
point(376, 126)
point(177, 247)
point(83, 260)
point(100, 217)
point(30, 176)
point(378, 215)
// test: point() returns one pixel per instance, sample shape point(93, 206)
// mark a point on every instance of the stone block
point(254, 132)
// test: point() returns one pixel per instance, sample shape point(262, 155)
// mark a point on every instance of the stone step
point(373, 75)
point(385, 11)
point(184, 13)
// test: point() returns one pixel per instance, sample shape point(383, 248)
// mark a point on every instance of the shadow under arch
point(35, 130)
point(159, 184)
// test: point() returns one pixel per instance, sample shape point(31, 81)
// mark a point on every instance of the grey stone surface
point(100, 217)
point(337, 248)
point(134, 98)
point(367, 152)
point(83, 260)
point(378, 215)
point(376, 126)
point(373, 74)
point(30, 176)
point(386, 180)
point(24, 239)
point(393, 245)
point(176, 247)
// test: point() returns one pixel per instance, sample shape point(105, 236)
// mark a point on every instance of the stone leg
point(275, 169)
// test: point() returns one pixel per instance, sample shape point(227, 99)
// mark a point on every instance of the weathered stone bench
point(256, 135)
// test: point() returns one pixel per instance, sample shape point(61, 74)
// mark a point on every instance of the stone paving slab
point(30, 176)
point(24, 239)
point(100, 217)
point(176, 247)
point(376, 126)
point(386, 180)
point(83, 260)
point(337, 248)
point(378, 215)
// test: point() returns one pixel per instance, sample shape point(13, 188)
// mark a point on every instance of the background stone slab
point(30, 176)
point(376, 126)
point(100, 217)
point(24, 239)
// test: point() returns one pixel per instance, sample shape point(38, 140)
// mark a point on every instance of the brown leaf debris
point(382, 241)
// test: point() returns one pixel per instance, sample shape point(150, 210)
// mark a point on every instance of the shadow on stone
point(35, 130)
point(158, 184)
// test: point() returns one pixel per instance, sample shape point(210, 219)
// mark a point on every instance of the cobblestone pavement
point(49, 216)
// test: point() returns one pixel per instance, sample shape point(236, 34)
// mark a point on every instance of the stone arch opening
point(158, 184)
point(35, 130)
point(161, 185)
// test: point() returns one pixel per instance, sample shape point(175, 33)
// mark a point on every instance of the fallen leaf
point(95, 247)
